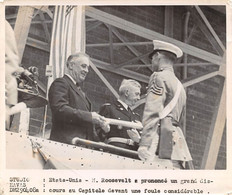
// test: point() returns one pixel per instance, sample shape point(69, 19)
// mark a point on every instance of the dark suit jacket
point(70, 108)
point(117, 111)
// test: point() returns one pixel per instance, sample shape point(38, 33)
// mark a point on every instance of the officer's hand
point(138, 122)
point(134, 135)
point(97, 118)
point(106, 127)
point(143, 153)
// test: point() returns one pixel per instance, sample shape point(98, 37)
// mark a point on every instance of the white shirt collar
point(71, 78)
point(124, 104)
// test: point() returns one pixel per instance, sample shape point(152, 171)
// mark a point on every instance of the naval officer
point(129, 94)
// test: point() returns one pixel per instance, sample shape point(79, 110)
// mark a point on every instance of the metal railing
point(105, 147)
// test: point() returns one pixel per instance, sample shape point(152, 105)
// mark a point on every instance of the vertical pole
point(186, 40)
point(111, 45)
point(185, 75)
point(44, 120)
point(185, 68)
point(168, 21)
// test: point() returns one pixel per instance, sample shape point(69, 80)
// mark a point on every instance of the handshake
point(101, 120)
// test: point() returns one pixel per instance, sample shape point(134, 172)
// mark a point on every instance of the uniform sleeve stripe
point(159, 90)
point(157, 87)
point(156, 92)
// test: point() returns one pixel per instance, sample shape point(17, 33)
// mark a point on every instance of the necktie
point(79, 89)
point(87, 103)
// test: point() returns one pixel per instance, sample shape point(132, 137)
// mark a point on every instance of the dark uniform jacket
point(70, 108)
point(161, 90)
point(117, 111)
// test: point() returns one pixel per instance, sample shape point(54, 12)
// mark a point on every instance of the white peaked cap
point(161, 45)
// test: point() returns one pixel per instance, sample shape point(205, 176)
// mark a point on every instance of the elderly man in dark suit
point(129, 94)
point(71, 109)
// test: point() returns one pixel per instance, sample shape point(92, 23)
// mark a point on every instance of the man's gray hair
point(76, 55)
point(127, 83)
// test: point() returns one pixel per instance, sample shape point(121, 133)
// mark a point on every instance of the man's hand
point(97, 118)
point(143, 153)
point(100, 120)
point(134, 135)
point(105, 127)
point(138, 122)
